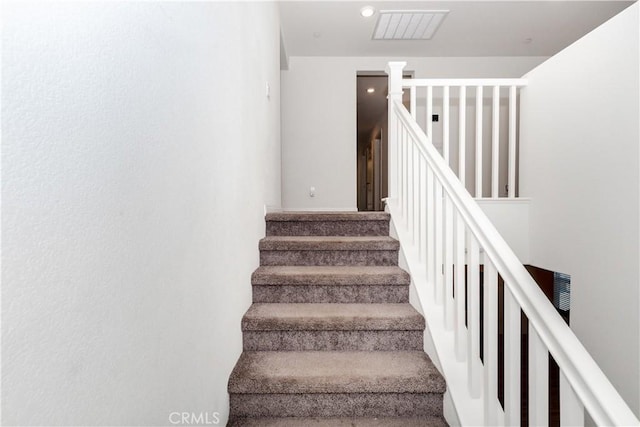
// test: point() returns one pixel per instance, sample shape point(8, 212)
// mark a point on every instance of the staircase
point(331, 339)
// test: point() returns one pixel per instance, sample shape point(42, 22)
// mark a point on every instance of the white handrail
point(464, 82)
point(415, 164)
point(593, 388)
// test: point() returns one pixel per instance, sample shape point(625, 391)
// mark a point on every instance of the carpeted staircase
point(331, 339)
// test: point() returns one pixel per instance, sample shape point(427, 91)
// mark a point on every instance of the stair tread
point(335, 372)
point(340, 422)
point(330, 275)
point(327, 216)
point(329, 243)
point(332, 317)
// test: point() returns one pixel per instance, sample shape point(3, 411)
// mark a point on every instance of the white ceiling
point(472, 28)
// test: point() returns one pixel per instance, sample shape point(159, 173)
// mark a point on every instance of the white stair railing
point(446, 237)
point(500, 137)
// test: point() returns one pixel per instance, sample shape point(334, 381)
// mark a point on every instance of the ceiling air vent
point(408, 24)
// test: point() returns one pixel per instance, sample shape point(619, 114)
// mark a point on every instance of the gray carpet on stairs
point(330, 284)
point(327, 224)
point(331, 339)
point(341, 422)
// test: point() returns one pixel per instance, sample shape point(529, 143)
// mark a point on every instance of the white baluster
point(405, 176)
point(400, 149)
point(416, 191)
point(410, 181)
point(571, 409)
point(438, 205)
point(412, 101)
point(423, 210)
point(462, 128)
point(460, 290)
point(479, 141)
point(495, 143)
point(449, 311)
point(431, 241)
point(490, 343)
point(512, 336)
point(512, 142)
point(398, 163)
point(538, 380)
point(474, 363)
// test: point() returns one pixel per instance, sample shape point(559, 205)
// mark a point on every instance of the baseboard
point(449, 410)
point(270, 209)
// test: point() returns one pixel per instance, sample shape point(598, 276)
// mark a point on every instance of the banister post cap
point(394, 70)
point(395, 66)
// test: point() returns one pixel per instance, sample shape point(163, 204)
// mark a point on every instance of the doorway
point(372, 123)
point(372, 140)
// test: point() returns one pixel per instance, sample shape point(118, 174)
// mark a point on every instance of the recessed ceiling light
point(371, 90)
point(367, 11)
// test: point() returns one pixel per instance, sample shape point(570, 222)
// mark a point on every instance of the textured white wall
point(139, 150)
point(319, 119)
point(470, 135)
point(511, 219)
point(580, 166)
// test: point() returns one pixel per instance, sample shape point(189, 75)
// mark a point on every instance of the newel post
point(394, 70)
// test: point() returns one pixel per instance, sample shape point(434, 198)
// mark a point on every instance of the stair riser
point(332, 340)
point(330, 257)
point(327, 228)
point(330, 294)
point(336, 405)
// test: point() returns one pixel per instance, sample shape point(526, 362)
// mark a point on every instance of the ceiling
point(472, 28)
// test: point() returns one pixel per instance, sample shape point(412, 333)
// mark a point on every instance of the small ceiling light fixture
point(367, 11)
point(371, 90)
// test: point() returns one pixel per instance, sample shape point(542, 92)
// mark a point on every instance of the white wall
point(511, 219)
point(580, 166)
point(139, 150)
point(470, 135)
point(319, 119)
